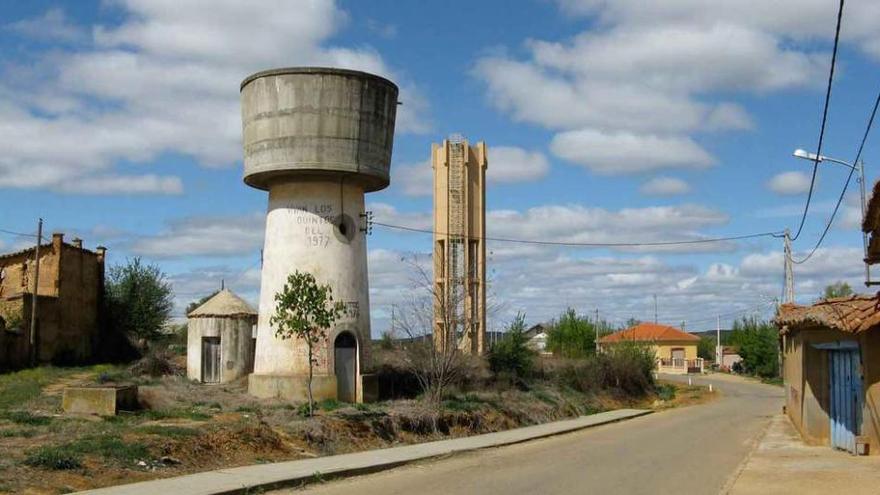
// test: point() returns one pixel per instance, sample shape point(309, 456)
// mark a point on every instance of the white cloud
point(124, 184)
point(205, 236)
point(665, 186)
point(415, 179)
point(665, 71)
point(164, 80)
point(790, 19)
point(789, 183)
point(624, 152)
point(52, 25)
point(513, 164)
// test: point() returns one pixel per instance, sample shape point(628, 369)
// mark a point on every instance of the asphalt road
point(692, 450)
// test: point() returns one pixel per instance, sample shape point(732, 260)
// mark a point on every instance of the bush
point(758, 343)
point(512, 357)
point(629, 367)
point(155, 364)
point(572, 336)
point(626, 368)
point(26, 418)
point(59, 458)
point(666, 391)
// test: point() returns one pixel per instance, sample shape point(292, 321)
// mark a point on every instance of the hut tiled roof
point(224, 304)
point(851, 314)
point(649, 332)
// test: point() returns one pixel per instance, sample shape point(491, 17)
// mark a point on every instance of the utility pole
point(596, 325)
point(788, 296)
point(861, 166)
point(655, 309)
point(719, 351)
point(33, 330)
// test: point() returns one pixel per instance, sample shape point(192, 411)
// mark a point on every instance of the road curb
point(301, 472)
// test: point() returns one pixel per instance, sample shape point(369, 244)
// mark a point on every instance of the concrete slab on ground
point(292, 473)
point(782, 463)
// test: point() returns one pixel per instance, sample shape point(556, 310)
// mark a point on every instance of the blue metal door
point(846, 398)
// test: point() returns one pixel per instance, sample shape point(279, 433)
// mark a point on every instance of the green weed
point(52, 457)
point(25, 418)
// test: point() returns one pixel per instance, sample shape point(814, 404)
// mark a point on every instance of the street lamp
point(860, 168)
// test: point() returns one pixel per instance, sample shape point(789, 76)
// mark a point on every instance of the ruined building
point(459, 250)
point(69, 300)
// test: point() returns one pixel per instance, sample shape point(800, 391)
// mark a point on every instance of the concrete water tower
point(317, 139)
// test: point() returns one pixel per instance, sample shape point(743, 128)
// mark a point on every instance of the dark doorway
point(345, 367)
point(211, 359)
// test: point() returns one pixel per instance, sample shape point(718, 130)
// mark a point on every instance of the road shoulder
point(294, 473)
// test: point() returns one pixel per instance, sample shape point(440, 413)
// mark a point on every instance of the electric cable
point(824, 121)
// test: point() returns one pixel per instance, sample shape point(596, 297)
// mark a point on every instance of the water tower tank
point(314, 121)
point(316, 139)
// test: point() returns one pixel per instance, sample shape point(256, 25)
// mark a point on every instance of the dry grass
point(186, 427)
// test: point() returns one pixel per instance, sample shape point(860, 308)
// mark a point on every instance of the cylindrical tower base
point(314, 226)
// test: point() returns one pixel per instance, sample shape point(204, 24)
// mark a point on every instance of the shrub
point(572, 336)
point(155, 364)
point(50, 457)
point(26, 418)
point(666, 391)
point(758, 345)
point(629, 367)
point(512, 357)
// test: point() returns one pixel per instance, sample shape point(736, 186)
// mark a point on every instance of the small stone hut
point(220, 339)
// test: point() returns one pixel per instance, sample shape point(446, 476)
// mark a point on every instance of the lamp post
point(858, 167)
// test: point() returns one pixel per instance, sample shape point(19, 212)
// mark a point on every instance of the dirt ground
point(185, 427)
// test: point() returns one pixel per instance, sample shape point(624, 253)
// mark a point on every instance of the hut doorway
point(345, 366)
point(211, 359)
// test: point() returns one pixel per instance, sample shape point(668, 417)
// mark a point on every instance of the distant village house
point(675, 350)
point(69, 300)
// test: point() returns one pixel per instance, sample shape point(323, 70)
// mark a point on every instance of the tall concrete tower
point(317, 139)
point(459, 250)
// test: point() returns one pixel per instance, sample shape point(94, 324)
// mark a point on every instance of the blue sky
point(606, 121)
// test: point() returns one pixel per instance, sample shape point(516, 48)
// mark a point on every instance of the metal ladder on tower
point(456, 230)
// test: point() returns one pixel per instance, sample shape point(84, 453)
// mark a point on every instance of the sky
point(606, 121)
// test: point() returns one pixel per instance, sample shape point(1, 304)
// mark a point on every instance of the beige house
point(675, 349)
point(70, 292)
point(831, 370)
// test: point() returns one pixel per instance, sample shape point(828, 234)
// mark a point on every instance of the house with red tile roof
point(675, 349)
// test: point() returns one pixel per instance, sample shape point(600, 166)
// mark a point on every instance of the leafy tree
point(305, 310)
point(512, 355)
point(706, 348)
point(572, 336)
point(838, 289)
point(758, 342)
point(139, 301)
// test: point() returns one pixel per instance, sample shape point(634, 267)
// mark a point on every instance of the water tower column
point(317, 139)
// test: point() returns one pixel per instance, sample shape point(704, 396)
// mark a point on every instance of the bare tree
point(436, 361)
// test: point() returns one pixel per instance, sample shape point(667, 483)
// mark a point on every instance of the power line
point(824, 120)
point(586, 244)
point(852, 170)
point(20, 234)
